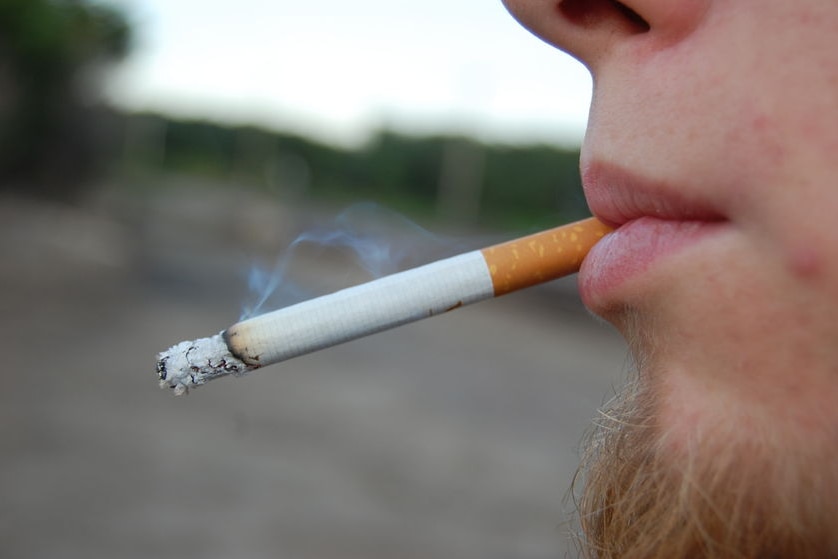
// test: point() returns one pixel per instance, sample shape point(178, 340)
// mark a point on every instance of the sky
point(338, 71)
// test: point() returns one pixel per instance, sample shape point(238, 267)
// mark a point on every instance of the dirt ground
point(455, 437)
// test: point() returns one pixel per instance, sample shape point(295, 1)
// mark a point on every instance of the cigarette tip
point(193, 363)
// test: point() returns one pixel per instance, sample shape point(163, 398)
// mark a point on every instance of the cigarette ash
point(193, 363)
point(376, 241)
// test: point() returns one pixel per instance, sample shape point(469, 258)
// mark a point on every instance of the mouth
point(652, 222)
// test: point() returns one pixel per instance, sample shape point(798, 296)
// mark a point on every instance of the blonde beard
point(717, 496)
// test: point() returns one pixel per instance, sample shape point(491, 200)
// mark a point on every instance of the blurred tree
point(461, 180)
point(534, 183)
point(51, 55)
point(450, 177)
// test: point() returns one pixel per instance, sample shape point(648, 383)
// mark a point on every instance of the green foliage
point(403, 166)
point(48, 132)
point(199, 147)
point(541, 181)
point(520, 187)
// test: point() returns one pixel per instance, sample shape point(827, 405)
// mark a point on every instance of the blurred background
point(154, 155)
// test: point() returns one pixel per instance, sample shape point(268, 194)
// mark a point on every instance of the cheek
point(782, 192)
point(737, 312)
point(790, 222)
point(759, 132)
point(753, 159)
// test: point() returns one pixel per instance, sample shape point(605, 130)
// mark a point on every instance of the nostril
point(594, 13)
point(640, 24)
point(585, 13)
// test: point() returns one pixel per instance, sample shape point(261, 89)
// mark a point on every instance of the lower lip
point(632, 249)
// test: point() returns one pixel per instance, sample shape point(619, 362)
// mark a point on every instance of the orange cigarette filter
point(542, 257)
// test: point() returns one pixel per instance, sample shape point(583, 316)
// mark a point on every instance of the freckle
point(806, 262)
point(761, 122)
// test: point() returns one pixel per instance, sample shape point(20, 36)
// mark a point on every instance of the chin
point(684, 474)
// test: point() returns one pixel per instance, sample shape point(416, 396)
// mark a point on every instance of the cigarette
point(379, 305)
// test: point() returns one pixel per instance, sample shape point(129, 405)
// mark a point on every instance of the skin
point(726, 111)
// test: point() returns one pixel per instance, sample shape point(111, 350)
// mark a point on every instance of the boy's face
point(713, 144)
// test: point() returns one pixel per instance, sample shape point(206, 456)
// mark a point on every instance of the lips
point(617, 196)
point(653, 220)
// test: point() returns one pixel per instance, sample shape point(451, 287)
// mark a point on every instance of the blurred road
point(455, 437)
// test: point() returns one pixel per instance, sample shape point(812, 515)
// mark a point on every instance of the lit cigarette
point(379, 305)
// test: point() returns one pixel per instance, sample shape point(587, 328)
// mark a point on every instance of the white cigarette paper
point(378, 305)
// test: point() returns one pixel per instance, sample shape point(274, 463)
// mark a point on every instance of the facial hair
point(720, 492)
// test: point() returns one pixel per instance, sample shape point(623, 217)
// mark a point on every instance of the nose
point(589, 29)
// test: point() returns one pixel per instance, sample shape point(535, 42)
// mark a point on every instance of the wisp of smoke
point(377, 240)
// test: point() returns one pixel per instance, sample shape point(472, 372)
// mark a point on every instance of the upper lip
point(617, 196)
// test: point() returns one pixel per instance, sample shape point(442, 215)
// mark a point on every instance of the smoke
point(364, 242)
